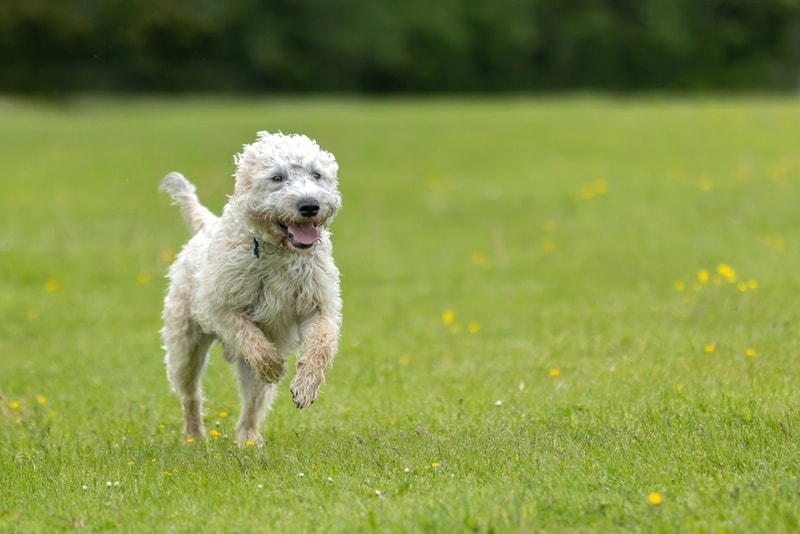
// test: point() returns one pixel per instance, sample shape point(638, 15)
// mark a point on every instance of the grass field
point(560, 314)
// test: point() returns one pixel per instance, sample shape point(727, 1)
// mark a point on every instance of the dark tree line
point(397, 46)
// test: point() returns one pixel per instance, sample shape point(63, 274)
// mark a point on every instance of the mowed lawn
point(560, 314)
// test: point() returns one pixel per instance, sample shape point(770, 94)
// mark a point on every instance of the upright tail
point(195, 215)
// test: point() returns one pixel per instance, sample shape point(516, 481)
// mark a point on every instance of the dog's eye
point(277, 178)
point(315, 175)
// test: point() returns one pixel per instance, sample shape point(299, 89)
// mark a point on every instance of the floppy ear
point(330, 164)
point(245, 163)
point(243, 182)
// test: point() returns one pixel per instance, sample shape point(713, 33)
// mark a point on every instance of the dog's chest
point(282, 295)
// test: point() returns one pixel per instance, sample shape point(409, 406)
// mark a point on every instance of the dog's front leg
point(243, 338)
point(320, 348)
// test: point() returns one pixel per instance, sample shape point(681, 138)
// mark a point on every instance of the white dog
point(260, 279)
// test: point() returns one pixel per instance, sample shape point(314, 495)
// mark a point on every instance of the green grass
point(485, 246)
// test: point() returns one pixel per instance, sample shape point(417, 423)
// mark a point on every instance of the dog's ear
point(244, 172)
point(329, 163)
point(244, 182)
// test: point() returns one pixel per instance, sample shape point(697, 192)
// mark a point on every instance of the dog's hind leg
point(185, 364)
point(187, 352)
point(257, 397)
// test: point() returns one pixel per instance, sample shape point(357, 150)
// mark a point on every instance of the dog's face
point(288, 187)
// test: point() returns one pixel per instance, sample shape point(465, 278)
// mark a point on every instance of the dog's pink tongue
point(305, 233)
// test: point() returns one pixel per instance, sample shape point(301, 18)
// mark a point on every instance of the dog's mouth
point(300, 235)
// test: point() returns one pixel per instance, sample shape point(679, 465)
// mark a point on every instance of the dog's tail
point(195, 215)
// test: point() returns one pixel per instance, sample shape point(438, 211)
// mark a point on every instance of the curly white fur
point(260, 278)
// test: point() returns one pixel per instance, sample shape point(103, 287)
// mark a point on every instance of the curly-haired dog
point(260, 279)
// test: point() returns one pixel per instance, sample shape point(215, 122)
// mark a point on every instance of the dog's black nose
point(308, 207)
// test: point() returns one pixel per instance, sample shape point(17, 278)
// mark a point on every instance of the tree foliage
point(394, 46)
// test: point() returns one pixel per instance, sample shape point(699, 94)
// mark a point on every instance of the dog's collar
point(262, 247)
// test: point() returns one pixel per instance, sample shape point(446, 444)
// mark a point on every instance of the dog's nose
point(308, 207)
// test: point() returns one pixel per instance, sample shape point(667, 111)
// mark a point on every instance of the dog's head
point(287, 186)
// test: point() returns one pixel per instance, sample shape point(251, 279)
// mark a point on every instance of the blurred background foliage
point(397, 46)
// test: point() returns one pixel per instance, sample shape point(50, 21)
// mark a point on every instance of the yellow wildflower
point(776, 243)
point(478, 258)
point(587, 192)
point(554, 372)
point(596, 188)
point(709, 348)
point(742, 286)
point(41, 399)
point(223, 415)
point(655, 499)
point(190, 440)
point(680, 285)
point(448, 317)
point(249, 443)
point(703, 276)
point(214, 433)
point(143, 277)
point(51, 285)
point(727, 272)
point(14, 405)
point(474, 327)
point(168, 255)
point(750, 353)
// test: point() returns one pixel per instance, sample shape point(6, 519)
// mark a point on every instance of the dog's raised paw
point(305, 388)
point(301, 401)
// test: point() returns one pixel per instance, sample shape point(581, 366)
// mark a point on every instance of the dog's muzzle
point(308, 207)
point(303, 233)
